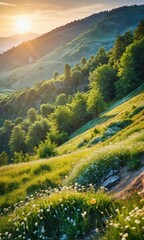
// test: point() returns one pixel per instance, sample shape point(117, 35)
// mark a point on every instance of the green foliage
point(119, 48)
point(95, 102)
point(139, 32)
point(17, 140)
point(51, 218)
point(20, 157)
point(56, 136)
point(18, 120)
point(128, 223)
point(3, 158)
point(104, 78)
point(76, 78)
point(46, 149)
point(55, 75)
point(8, 125)
point(83, 61)
point(62, 118)
point(37, 133)
point(32, 115)
point(101, 57)
point(134, 164)
point(105, 158)
point(41, 169)
point(67, 71)
point(131, 71)
point(78, 108)
point(61, 99)
point(46, 109)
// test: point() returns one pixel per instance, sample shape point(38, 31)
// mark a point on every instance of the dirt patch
point(130, 182)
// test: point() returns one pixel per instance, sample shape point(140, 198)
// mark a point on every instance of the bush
point(46, 149)
point(3, 158)
point(70, 215)
point(20, 157)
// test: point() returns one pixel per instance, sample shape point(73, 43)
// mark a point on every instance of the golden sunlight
point(23, 24)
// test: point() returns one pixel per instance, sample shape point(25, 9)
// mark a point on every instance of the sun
point(23, 24)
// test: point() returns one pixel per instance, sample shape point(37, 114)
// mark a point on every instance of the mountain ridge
point(86, 43)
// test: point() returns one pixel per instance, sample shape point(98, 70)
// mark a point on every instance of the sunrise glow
point(23, 24)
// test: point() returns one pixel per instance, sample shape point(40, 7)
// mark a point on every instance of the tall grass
point(96, 166)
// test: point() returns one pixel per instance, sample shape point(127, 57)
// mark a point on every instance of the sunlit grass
point(65, 214)
point(95, 167)
point(120, 113)
point(129, 221)
point(32, 176)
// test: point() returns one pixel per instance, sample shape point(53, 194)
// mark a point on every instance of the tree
point(46, 109)
point(62, 119)
point(119, 48)
point(46, 149)
point(37, 133)
point(139, 32)
point(67, 71)
point(95, 103)
point(56, 136)
point(78, 108)
point(131, 70)
point(3, 158)
point(17, 139)
point(19, 157)
point(104, 78)
point(83, 61)
point(101, 57)
point(76, 78)
point(8, 125)
point(32, 115)
point(61, 99)
point(55, 75)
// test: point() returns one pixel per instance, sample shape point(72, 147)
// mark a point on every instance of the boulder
point(110, 182)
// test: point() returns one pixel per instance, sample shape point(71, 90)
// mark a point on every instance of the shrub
point(46, 149)
point(3, 158)
point(68, 215)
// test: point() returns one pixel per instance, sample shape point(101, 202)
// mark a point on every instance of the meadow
point(60, 197)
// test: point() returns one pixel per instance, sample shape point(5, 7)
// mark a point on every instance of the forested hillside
point(72, 147)
point(38, 59)
point(47, 113)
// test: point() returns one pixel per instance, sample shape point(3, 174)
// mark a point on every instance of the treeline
point(51, 110)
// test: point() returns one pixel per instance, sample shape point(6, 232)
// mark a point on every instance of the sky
point(45, 15)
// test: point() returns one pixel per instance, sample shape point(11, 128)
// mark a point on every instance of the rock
point(110, 182)
point(115, 172)
point(111, 173)
point(95, 140)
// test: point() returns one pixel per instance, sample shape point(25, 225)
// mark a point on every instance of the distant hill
point(37, 48)
point(13, 41)
point(37, 59)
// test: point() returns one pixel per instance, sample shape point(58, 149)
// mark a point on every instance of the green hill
point(72, 148)
point(65, 44)
point(28, 187)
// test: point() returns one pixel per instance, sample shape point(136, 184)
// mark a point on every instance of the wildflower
point(83, 214)
point(125, 235)
point(116, 225)
point(36, 224)
point(93, 201)
point(126, 226)
point(137, 221)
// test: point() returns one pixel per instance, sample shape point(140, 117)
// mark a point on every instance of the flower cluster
point(64, 214)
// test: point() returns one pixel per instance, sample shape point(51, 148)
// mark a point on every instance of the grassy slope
point(19, 180)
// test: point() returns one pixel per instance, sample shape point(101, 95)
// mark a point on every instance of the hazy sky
point(45, 15)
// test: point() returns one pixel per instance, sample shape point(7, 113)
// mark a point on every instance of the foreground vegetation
point(59, 196)
point(35, 195)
